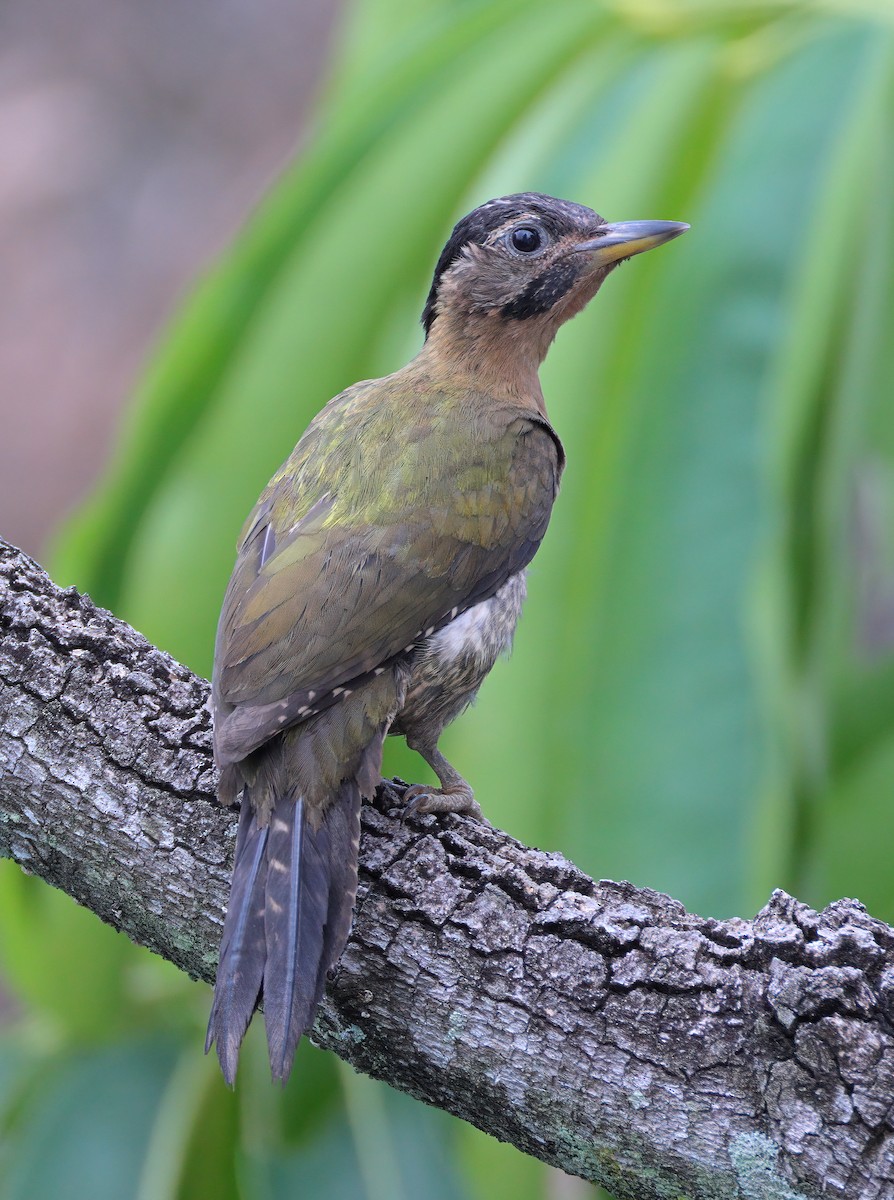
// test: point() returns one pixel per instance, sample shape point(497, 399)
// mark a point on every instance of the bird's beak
point(626, 238)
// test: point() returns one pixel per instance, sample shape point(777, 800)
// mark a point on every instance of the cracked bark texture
point(598, 1026)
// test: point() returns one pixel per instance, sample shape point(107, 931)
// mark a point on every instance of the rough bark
point(596, 1025)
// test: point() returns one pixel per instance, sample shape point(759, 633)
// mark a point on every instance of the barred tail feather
point(289, 917)
point(310, 898)
point(242, 953)
point(295, 916)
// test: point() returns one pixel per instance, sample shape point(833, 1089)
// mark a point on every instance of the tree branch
point(596, 1025)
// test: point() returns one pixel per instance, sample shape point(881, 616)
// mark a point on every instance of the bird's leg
point(453, 796)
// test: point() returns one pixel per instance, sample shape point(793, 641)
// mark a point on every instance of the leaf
point(854, 836)
point(84, 994)
point(402, 1148)
point(818, 402)
point(87, 1127)
point(390, 1148)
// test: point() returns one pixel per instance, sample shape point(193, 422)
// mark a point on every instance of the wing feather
point(367, 570)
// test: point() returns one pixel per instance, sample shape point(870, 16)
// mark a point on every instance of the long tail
point(241, 969)
point(293, 892)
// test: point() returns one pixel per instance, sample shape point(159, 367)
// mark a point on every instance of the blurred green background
point(701, 698)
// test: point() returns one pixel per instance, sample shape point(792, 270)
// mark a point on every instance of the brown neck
point(471, 342)
point(482, 350)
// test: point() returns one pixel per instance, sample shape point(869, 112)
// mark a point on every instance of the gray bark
point(598, 1026)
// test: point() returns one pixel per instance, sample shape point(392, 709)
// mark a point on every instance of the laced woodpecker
point(378, 579)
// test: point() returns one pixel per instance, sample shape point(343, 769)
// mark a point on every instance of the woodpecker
point(378, 579)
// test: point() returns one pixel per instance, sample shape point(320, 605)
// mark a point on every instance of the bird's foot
point(420, 798)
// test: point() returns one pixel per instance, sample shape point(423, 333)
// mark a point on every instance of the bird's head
point(519, 266)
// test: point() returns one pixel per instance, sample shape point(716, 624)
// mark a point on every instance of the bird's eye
point(525, 239)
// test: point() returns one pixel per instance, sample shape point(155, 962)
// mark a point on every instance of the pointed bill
point(623, 239)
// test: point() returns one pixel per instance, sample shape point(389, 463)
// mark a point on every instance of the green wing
point(394, 539)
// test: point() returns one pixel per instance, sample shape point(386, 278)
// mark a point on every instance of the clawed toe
point(420, 798)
